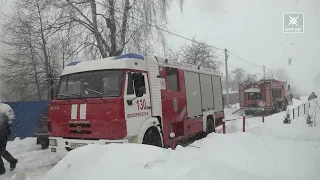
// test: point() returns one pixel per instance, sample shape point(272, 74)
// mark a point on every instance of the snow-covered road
point(267, 151)
point(32, 160)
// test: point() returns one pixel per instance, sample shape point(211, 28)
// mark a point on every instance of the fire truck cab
point(267, 95)
point(133, 99)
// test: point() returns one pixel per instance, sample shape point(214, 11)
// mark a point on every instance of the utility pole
point(226, 55)
point(264, 72)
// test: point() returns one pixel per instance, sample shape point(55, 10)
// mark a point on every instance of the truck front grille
point(80, 131)
point(253, 105)
point(80, 127)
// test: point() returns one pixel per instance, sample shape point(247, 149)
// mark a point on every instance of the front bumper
point(256, 108)
point(65, 144)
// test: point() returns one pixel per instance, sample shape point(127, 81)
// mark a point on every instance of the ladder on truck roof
point(167, 62)
point(185, 66)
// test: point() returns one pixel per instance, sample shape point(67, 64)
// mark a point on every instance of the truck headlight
point(53, 142)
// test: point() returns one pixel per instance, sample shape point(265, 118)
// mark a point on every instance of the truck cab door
point(137, 109)
point(268, 95)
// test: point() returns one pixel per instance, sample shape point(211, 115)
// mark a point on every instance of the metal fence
point(27, 114)
point(310, 108)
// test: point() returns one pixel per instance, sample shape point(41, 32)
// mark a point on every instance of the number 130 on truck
point(133, 99)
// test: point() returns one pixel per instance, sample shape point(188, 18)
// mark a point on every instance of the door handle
point(148, 107)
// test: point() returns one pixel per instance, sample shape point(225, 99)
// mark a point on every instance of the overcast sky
point(253, 30)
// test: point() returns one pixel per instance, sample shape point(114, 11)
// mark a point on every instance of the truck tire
point(44, 145)
point(210, 125)
point(152, 137)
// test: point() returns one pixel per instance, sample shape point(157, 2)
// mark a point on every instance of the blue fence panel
point(26, 116)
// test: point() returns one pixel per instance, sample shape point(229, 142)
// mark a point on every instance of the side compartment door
point(217, 90)
point(241, 95)
point(268, 95)
point(137, 109)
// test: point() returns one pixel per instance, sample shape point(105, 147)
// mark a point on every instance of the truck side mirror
point(288, 86)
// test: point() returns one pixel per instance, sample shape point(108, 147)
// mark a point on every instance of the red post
point(244, 123)
point(263, 116)
point(224, 127)
point(172, 144)
point(172, 136)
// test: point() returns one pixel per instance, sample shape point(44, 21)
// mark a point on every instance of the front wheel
point(44, 145)
point(152, 137)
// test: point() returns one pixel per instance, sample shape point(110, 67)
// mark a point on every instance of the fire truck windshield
point(93, 84)
point(254, 96)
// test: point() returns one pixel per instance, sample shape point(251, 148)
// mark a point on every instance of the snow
point(230, 92)
point(266, 151)
point(32, 160)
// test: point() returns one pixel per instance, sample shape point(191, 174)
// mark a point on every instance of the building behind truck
point(269, 95)
point(133, 99)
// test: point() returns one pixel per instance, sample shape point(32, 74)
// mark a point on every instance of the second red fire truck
point(267, 95)
point(133, 99)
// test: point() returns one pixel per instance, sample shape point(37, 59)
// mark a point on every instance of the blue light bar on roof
point(131, 55)
point(73, 63)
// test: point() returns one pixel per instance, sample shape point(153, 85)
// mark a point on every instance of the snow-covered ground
point(266, 151)
point(32, 160)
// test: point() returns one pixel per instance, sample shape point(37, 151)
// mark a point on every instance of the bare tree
point(279, 74)
point(252, 77)
point(33, 53)
point(196, 53)
point(237, 75)
point(173, 54)
point(108, 27)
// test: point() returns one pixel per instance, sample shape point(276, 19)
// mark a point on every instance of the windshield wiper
point(79, 95)
point(97, 92)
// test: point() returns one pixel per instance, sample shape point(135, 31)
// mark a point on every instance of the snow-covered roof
point(230, 92)
point(253, 90)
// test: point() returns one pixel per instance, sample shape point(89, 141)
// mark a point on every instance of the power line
point(167, 31)
point(219, 55)
point(182, 37)
point(244, 59)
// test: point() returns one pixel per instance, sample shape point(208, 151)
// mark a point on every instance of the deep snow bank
point(270, 151)
point(222, 157)
point(33, 161)
point(132, 161)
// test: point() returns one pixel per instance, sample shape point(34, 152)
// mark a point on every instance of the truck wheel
point(44, 145)
point(210, 125)
point(152, 137)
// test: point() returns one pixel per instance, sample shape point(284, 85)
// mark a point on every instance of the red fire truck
point(133, 99)
point(267, 94)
